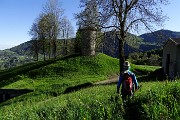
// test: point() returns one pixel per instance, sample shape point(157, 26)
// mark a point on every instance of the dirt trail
point(111, 80)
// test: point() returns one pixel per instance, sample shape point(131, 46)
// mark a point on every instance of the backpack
point(127, 82)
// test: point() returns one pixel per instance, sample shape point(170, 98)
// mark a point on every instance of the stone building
point(171, 57)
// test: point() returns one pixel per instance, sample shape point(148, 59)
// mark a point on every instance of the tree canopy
point(128, 16)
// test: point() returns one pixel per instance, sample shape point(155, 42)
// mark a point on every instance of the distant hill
point(111, 44)
point(145, 42)
point(22, 49)
point(9, 59)
point(22, 53)
point(142, 43)
point(159, 37)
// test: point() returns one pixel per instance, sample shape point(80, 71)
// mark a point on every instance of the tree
point(67, 31)
point(44, 28)
point(88, 18)
point(88, 21)
point(53, 9)
point(129, 16)
point(34, 49)
point(47, 27)
point(35, 33)
point(77, 44)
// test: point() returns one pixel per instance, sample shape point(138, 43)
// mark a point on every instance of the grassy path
point(112, 80)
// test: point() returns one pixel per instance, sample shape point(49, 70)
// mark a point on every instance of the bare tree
point(67, 31)
point(129, 16)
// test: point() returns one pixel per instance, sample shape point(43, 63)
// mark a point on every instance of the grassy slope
point(99, 103)
point(54, 79)
point(75, 70)
point(49, 102)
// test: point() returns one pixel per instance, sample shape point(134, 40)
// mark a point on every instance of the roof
point(176, 41)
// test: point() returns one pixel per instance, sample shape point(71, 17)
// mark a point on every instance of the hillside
point(54, 77)
point(71, 66)
point(159, 37)
point(143, 43)
point(20, 54)
point(133, 44)
point(62, 89)
point(9, 59)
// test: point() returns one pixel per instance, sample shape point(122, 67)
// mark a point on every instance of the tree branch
point(132, 22)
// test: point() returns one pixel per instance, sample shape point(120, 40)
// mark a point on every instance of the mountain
point(142, 43)
point(110, 45)
point(156, 39)
point(159, 37)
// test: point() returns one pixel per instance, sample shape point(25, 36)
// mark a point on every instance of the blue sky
point(17, 17)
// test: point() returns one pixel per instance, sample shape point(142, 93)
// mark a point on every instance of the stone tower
point(88, 41)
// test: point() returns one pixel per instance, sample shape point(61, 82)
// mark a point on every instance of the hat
point(126, 64)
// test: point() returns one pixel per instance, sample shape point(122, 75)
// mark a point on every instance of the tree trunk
point(37, 56)
point(54, 48)
point(44, 51)
point(49, 49)
point(66, 49)
point(121, 51)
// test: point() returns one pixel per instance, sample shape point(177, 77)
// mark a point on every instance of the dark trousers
point(126, 94)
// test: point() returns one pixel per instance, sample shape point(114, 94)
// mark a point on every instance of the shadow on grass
point(78, 87)
point(129, 110)
point(6, 94)
point(134, 111)
point(157, 75)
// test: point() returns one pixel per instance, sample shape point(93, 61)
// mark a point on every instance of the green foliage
point(134, 41)
point(151, 58)
point(144, 68)
point(11, 73)
point(9, 59)
point(159, 37)
point(161, 100)
point(77, 45)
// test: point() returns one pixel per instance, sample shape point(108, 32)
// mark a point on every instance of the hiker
point(128, 80)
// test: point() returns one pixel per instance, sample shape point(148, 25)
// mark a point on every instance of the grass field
point(154, 100)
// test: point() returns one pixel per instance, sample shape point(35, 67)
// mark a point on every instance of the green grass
point(155, 100)
point(49, 100)
point(145, 68)
point(56, 78)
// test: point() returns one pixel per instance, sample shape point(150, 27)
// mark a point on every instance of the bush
point(145, 59)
